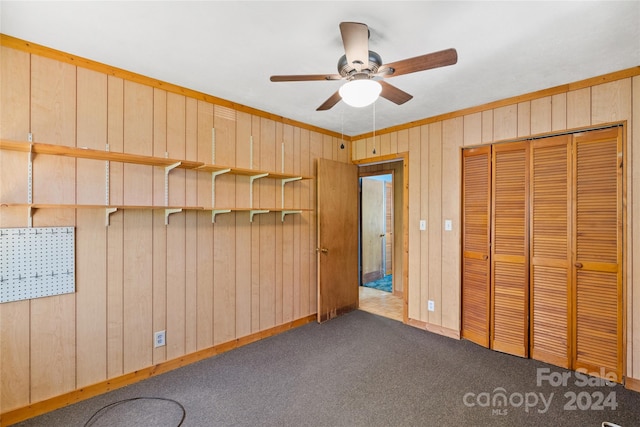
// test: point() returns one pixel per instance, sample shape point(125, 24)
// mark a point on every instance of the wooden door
point(388, 228)
point(476, 214)
point(373, 229)
point(597, 247)
point(550, 256)
point(510, 250)
point(337, 204)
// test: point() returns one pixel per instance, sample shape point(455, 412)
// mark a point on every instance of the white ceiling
point(229, 49)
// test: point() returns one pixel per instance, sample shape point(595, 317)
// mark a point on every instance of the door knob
point(323, 250)
point(578, 264)
point(382, 235)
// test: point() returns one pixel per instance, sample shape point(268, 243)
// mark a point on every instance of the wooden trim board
point(440, 330)
point(48, 405)
point(632, 384)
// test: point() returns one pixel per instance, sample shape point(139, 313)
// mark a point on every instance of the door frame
point(360, 233)
point(403, 263)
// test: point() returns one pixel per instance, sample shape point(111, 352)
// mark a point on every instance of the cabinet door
point(510, 250)
point(597, 240)
point(550, 256)
point(476, 201)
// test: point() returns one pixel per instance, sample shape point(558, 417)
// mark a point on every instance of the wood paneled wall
point(204, 283)
point(434, 147)
point(207, 284)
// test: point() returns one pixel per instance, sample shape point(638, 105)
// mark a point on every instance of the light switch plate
point(423, 225)
point(447, 225)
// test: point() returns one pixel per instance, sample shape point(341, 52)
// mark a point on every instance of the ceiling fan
point(359, 64)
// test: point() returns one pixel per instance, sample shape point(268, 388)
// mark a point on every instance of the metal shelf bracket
point(215, 212)
point(108, 213)
point(253, 212)
point(168, 169)
point(285, 213)
point(168, 212)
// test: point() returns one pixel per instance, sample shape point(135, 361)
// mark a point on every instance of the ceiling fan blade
point(305, 78)
point(394, 94)
point(355, 38)
point(420, 63)
point(333, 100)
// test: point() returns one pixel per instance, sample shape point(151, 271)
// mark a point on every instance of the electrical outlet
point(159, 339)
point(423, 225)
point(431, 306)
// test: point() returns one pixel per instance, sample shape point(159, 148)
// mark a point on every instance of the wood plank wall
point(434, 147)
point(204, 283)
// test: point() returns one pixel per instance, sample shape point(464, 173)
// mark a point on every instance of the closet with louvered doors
point(476, 238)
point(495, 290)
point(555, 263)
point(510, 249)
point(550, 261)
point(597, 317)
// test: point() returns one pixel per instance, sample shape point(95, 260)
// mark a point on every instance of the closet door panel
point(598, 252)
point(475, 244)
point(510, 250)
point(550, 250)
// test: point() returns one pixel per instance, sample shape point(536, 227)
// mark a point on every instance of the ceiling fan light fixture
point(360, 93)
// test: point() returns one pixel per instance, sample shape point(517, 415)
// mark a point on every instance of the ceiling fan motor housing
point(348, 71)
point(359, 66)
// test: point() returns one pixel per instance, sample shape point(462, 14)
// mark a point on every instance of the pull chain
point(374, 128)
point(342, 128)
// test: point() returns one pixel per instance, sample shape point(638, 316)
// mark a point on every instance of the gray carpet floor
point(360, 370)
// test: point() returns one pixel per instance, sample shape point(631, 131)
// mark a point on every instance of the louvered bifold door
point(597, 235)
point(476, 201)
point(550, 250)
point(510, 249)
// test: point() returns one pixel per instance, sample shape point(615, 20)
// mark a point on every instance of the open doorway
point(380, 290)
point(376, 231)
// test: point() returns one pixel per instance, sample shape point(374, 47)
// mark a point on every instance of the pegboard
point(36, 262)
